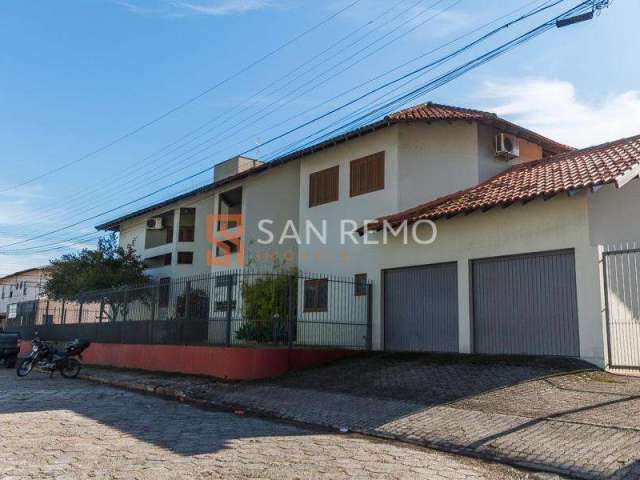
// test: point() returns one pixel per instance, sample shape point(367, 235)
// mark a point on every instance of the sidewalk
point(550, 417)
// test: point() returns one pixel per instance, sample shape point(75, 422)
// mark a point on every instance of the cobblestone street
point(65, 429)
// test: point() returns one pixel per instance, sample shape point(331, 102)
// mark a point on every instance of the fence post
point(101, 310)
point(80, 311)
point(369, 317)
point(62, 312)
point(46, 314)
point(125, 307)
point(230, 284)
point(187, 301)
point(291, 315)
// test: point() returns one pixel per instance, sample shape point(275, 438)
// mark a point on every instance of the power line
point(183, 104)
point(219, 120)
point(439, 81)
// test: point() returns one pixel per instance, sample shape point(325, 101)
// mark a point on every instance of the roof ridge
point(592, 148)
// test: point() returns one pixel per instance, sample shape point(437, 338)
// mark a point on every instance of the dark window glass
point(232, 247)
point(225, 281)
point(186, 229)
point(163, 294)
point(316, 295)
point(360, 284)
point(185, 258)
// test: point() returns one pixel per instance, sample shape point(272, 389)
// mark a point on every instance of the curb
point(180, 396)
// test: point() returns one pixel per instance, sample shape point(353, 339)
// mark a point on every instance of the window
point(185, 258)
point(323, 186)
point(12, 310)
point(230, 247)
point(163, 292)
point(225, 281)
point(24, 288)
point(360, 284)
point(3, 292)
point(230, 204)
point(156, 237)
point(223, 306)
point(186, 230)
point(315, 295)
point(158, 261)
point(367, 174)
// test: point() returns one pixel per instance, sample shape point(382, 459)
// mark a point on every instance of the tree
point(106, 270)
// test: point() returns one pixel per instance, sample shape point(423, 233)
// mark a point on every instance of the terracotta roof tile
point(563, 172)
point(435, 111)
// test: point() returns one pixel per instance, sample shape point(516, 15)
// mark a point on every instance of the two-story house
point(20, 291)
point(506, 229)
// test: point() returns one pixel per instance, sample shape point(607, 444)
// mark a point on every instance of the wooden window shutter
point(323, 186)
point(367, 174)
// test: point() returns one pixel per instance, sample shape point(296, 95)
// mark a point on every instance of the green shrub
point(265, 303)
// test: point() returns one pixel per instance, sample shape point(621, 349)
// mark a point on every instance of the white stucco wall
point(613, 225)
point(132, 232)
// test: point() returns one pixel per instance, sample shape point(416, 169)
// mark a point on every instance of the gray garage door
point(421, 308)
point(526, 304)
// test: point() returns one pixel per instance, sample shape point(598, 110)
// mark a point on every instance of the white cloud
point(182, 8)
point(226, 7)
point(552, 108)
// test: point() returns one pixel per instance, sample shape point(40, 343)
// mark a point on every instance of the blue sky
point(79, 73)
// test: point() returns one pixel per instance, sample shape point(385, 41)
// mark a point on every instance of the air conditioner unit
point(155, 223)
point(507, 146)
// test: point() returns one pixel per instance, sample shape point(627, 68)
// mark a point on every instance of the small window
point(185, 258)
point(223, 306)
point(230, 248)
point(12, 310)
point(315, 295)
point(323, 186)
point(367, 174)
point(163, 293)
point(186, 229)
point(225, 281)
point(158, 261)
point(360, 284)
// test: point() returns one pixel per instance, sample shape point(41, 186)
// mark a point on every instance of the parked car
point(9, 348)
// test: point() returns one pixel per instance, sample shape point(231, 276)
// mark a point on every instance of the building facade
point(507, 231)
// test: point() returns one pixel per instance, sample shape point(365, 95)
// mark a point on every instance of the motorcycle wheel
point(71, 368)
point(24, 367)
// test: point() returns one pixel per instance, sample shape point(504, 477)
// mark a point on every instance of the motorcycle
point(47, 358)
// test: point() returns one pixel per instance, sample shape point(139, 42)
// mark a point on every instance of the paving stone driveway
point(66, 429)
point(559, 417)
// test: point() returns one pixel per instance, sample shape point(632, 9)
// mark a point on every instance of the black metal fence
point(236, 307)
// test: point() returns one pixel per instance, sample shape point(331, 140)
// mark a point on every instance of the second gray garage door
point(421, 308)
point(526, 304)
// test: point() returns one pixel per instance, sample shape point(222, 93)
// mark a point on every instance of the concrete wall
point(435, 160)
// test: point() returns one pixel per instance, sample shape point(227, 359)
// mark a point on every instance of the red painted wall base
point(233, 363)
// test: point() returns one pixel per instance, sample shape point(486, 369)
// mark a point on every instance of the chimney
point(233, 166)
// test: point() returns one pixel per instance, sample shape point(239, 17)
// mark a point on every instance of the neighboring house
point(19, 291)
point(519, 280)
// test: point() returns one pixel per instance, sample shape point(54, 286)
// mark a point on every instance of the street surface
point(66, 429)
